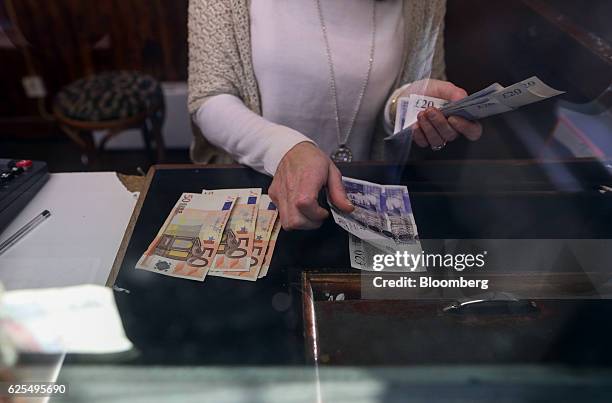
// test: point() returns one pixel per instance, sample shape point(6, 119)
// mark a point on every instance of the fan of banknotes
point(382, 223)
point(227, 233)
point(493, 100)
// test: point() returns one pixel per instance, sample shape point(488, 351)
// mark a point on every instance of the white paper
point(81, 319)
point(79, 242)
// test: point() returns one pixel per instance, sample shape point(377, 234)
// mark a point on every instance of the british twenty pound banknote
point(382, 216)
point(410, 107)
point(398, 211)
point(367, 257)
point(492, 100)
point(503, 100)
point(186, 244)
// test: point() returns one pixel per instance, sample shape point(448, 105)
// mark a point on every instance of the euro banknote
point(233, 231)
point(270, 249)
point(266, 218)
point(187, 242)
point(234, 252)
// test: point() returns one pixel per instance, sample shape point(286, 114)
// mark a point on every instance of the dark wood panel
point(68, 39)
point(563, 44)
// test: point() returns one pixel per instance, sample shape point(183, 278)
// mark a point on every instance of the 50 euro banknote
point(265, 266)
point(236, 247)
point(266, 218)
point(186, 244)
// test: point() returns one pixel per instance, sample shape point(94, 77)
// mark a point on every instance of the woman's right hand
point(300, 175)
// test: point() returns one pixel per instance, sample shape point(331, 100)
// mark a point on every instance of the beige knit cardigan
point(220, 59)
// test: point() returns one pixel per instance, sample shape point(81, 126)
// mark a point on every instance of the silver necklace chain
point(342, 140)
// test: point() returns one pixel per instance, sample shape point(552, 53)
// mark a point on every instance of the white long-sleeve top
point(292, 72)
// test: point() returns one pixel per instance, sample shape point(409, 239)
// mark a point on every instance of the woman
point(287, 86)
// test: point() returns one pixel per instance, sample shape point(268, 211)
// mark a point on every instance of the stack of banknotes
point(493, 100)
point(381, 224)
point(227, 233)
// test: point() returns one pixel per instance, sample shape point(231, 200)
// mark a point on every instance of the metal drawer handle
point(492, 303)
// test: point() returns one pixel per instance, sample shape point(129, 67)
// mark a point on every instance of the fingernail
point(430, 114)
point(421, 115)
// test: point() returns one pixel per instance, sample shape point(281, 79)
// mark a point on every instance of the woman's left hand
point(432, 128)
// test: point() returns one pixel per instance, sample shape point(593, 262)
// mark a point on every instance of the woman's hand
point(301, 174)
point(432, 128)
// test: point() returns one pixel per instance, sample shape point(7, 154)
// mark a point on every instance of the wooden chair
point(111, 102)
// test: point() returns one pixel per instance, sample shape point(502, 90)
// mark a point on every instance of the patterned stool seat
point(109, 96)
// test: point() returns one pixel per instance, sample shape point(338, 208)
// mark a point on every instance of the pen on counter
point(23, 231)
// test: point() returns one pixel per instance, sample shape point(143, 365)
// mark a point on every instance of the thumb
point(451, 92)
point(335, 188)
point(444, 90)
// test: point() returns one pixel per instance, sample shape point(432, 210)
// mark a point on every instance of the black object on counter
point(20, 180)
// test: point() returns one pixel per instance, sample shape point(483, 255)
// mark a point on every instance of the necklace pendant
point(342, 154)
